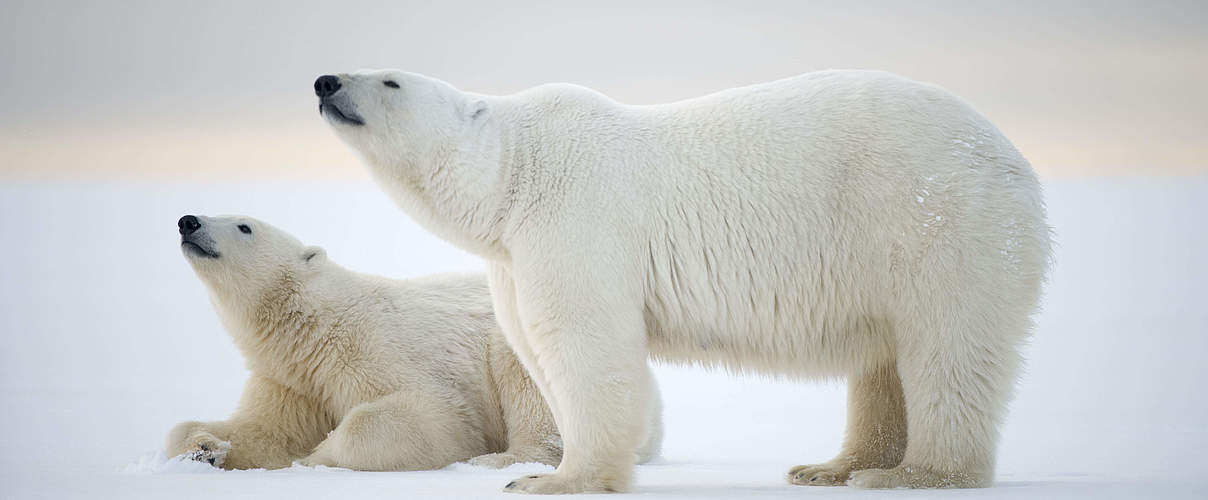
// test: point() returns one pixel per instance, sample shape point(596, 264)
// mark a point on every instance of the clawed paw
point(819, 475)
point(209, 450)
point(555, 484)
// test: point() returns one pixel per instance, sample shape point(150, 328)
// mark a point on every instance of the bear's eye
point(244, 229)
point(390, 83)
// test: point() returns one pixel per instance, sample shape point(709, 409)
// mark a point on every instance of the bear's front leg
point(272, 427)
point(586, 336)
point(195, 441)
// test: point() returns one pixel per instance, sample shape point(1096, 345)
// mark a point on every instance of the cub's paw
point(316, 459)
point(495, 460)
point(819, 475)
point(557, 484)
point(212, 451)
point(191, 442)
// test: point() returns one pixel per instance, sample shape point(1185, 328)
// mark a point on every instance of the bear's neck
point(457, 190)
point(287, 334)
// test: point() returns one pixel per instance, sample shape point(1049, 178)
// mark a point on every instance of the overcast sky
point(185, 88)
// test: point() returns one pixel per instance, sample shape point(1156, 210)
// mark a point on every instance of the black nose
point(327, 85)
point(188, 224)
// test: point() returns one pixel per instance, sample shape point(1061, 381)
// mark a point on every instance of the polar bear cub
point(357, 371)
point(834, 224)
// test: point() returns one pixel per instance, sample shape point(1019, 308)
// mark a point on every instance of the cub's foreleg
point(272, 427)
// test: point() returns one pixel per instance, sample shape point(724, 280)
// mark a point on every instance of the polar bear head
point(398, 118)
point(241, 259)
point(435, 149)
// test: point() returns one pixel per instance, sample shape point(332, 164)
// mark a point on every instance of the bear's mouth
point(334, 112)
point(196, 250)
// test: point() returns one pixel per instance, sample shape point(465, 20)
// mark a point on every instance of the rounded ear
point(314, 255)
point(477, 109)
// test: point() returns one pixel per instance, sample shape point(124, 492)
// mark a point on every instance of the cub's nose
point(327, 85)
point(188, 224)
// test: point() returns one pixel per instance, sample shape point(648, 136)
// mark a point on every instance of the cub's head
point(241, 259)
point(391, 116)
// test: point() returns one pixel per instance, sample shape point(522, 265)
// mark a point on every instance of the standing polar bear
point(839, 223)
point(357, 371)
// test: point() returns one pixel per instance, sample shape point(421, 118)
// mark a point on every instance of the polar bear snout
point(188, 225)
point(193, 240)
point(333, 104)
point(327, 85)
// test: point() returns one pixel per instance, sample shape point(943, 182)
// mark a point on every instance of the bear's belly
point(850, 346)
point(774, 312)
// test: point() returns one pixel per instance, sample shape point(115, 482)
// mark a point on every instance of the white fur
point(835, 224)
point(357, 371)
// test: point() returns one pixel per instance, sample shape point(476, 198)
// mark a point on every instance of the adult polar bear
point(839, 223)
point(358, 371)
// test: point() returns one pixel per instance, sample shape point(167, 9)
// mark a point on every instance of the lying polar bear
point(358, 371)
point(834, 224)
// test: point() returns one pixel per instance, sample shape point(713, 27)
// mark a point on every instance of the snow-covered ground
point(109, 340)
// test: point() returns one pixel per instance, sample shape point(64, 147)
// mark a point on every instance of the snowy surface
point(109, 340)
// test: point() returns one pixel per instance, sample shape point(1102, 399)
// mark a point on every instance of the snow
point(109, 340)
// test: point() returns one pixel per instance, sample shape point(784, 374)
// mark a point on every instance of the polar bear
point(835, 224)
point(357, 371)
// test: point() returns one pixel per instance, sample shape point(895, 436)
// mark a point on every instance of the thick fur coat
point(836, 224)
point(357, 371)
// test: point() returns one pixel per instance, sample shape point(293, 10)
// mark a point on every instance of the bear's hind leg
point(958, 368)
point(876, 430)
point(408, 430)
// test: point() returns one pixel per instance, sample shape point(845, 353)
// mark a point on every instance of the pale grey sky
point(165, 87)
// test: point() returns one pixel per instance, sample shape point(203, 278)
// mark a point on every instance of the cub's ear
point(477, 109)
point(314, 255)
